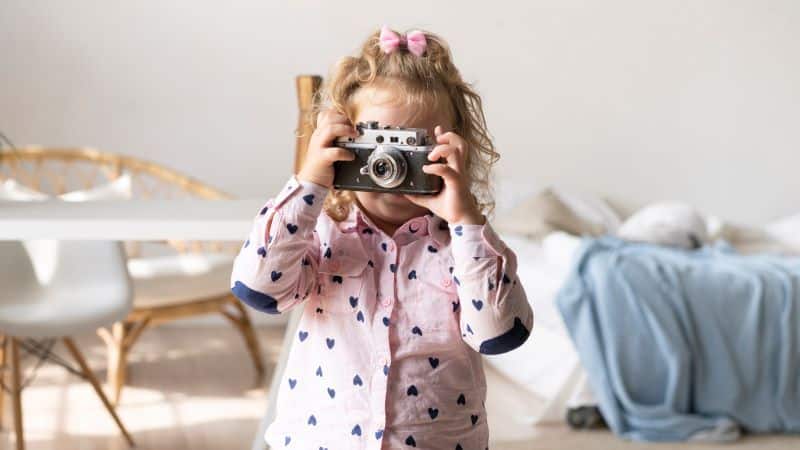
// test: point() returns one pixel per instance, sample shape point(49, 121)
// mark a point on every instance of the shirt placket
point(386, 295)
point(385, 298)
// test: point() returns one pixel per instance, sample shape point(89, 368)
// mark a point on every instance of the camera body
point(386, 160)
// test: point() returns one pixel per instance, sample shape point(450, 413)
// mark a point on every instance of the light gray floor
point(193, 387)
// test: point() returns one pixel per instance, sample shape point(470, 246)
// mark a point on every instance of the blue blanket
point(677, 343)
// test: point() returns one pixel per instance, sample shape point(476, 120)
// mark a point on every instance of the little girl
point(400, 294)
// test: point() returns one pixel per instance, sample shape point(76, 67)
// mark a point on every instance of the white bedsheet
point(547, 364)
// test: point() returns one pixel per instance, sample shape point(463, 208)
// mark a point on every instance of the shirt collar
point(425, 225)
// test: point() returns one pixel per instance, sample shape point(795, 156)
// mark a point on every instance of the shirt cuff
point(475, 241)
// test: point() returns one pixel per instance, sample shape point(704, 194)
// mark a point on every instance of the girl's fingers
point(333, 154)
point(328, 133)
point(450, 138)
point(452, 155)
point(447, 173)
point(441, 151)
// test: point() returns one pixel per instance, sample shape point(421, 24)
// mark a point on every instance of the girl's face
point(392, 210)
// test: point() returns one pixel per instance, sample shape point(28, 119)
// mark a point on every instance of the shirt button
point(447, 282)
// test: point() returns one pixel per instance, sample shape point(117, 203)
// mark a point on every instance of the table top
point(189, 219)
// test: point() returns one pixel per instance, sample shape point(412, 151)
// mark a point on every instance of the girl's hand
point(318, 165)
point(454, 202)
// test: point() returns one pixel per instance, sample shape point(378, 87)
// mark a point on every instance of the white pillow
point(555, 209)
point(118, 189)
point(591, 209)
point(12, 190)
point(672, 224)
point(787, 229)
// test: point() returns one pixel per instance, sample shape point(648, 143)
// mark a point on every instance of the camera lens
point(386, 167)
point(379, 139)
point(380, 168)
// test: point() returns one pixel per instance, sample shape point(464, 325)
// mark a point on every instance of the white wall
point(639, 100)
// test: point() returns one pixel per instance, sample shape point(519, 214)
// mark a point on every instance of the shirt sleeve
point(275, 268)
point(495, 314)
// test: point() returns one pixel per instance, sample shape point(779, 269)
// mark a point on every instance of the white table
point(144, 220)
point(129, 220)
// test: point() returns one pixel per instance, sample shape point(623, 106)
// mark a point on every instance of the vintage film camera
point(386, 160)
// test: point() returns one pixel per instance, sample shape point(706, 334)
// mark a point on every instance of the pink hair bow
point(414, 41)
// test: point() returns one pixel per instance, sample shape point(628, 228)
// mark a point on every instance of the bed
point(546, 239)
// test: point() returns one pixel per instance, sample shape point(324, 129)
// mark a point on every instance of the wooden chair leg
point(245, 327)
point(16, 394)
point(3, 368)
point(118, 362)
point(96, 385)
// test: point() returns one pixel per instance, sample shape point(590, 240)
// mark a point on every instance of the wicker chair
point(59, 170)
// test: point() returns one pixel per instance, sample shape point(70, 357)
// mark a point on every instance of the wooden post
point(307, 88)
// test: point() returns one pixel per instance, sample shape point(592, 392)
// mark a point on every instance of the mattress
point(547, 365)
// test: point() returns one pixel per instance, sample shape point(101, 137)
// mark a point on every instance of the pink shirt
point(388, 352)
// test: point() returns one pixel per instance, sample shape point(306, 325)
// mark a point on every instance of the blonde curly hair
point(422, 81)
